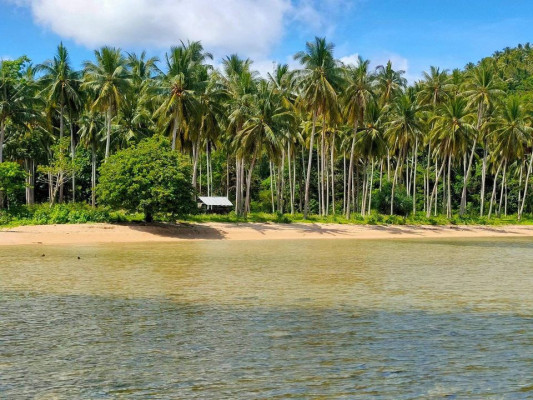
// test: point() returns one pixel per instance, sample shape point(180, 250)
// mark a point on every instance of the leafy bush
point(402, 202)
point(149, 178)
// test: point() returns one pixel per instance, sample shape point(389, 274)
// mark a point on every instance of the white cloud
point(398, 63)
point(250, 26)
point(352, 59)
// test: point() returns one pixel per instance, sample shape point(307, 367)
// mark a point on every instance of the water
point(316, 319)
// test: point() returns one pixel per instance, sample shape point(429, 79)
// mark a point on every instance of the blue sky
point(413, 34)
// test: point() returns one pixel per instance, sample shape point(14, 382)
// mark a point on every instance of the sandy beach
point(137, 233)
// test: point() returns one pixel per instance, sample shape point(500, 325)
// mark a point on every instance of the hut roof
point(215, 201)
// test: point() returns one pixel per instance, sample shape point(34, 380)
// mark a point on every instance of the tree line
point(326, 138)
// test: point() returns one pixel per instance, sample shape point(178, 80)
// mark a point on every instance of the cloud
point(398, 63)
point(250, 26)
point(352, 59)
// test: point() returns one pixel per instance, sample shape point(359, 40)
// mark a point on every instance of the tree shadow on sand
point(179, 231)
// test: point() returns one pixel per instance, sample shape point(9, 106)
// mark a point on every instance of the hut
point(218, 205)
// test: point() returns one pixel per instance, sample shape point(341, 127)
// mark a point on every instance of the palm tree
point(109, 79)
point(435, 88)
point(178, 88)
point(62, 87)
point(240, 83)
point(319, 77)
point(371, 145)
point(481, 89)
point(16, 96)
point(452, 131)
point(357, 94)
point(404, 132)
point(389, 82)
point(92, 126)
point(513, 136)
point(265, 125)
point(61, 83)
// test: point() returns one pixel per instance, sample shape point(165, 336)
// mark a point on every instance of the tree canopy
point(324, 138)
point(148, 178)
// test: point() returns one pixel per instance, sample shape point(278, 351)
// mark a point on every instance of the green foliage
point(11, 177)
point(148, 178)
point(67, 213)
point(403, 204)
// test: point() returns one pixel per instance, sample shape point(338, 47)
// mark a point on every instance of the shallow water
point(388, 319)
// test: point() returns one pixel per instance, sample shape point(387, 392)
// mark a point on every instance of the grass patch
point(80, 213)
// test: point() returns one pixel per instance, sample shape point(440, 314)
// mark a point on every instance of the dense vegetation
point(327, 139)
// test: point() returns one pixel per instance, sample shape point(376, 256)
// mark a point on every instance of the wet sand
point(138, 233)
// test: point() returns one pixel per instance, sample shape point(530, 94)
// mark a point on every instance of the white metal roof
point(215, 201)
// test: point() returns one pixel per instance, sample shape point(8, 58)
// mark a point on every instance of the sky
point(413, 34)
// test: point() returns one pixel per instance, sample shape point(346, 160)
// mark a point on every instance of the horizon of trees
point(326, 138)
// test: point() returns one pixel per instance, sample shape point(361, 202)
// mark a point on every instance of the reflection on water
point(292, 319)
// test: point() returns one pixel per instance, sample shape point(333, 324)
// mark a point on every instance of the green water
point(317, 319)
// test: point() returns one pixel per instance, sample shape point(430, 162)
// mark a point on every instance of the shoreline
point(161, 232)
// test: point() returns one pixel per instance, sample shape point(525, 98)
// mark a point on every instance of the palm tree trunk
point(108, 134)
point(195, 155)
point(207, 170)
point(237, 185)
point(492, 198)
point(350, 172)
point(272, 188)
point(414, 175)
point(282, 185)
point(526, 184)
point(483, 179)
point(318, 185)
point(73, 155)
point(2, 138)
point(227, 177)
point(291, 187)
point(333, 176)
point(465, 179)
point(175, 131)
point(504, 180)
point(427, 175)
point(249, 184)
point(326, 174)
point(293, 183)
point(93, 174)
point(344, 183)
point(394, 182)
point(370, 187)
point(309, 165)
point(363, 196)
point(61, 134)
point(449, 189)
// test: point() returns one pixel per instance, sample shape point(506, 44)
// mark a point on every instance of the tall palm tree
point(62, 87)
point(404, 132)
point(319, 77)
point(178, 88)
point(452, 132)
point(92, 126)
point(61, 83)
point(240, 83)
point(481, 89)
point(389, 82)
point(16, 96)
point(265, 125)
point(358, 92)
point(109, 79)
point(371, 145)
point(513, 135)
